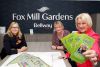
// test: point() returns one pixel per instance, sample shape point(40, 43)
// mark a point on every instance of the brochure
point(76, 44)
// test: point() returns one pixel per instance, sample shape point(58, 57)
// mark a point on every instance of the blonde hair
point(84, 16)
point(59, 23)
point(9, 30)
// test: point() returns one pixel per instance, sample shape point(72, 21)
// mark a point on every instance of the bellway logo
point(43, 9)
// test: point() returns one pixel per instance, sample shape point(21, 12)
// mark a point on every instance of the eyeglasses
point(14, 27)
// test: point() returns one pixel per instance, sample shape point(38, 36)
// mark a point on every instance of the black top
point(11, 44)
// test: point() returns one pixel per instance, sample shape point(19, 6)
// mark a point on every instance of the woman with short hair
point(84, 25)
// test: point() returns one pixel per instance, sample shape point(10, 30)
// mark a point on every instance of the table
point(40, 47)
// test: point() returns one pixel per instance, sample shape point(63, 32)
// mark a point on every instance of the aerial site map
point(34, 59)
point(27, 60)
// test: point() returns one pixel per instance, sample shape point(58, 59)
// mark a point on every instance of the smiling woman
point(84, 26)
point(14, 41)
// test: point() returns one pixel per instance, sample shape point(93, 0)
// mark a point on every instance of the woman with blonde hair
point(14, 41)
point(83, 23)
point(59, 33)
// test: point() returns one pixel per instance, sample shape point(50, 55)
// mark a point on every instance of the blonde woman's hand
point(53, 47)
point(92, 55)
point(24, 48)
point(60, 47)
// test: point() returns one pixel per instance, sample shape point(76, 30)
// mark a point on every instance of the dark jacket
point(11, 44)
